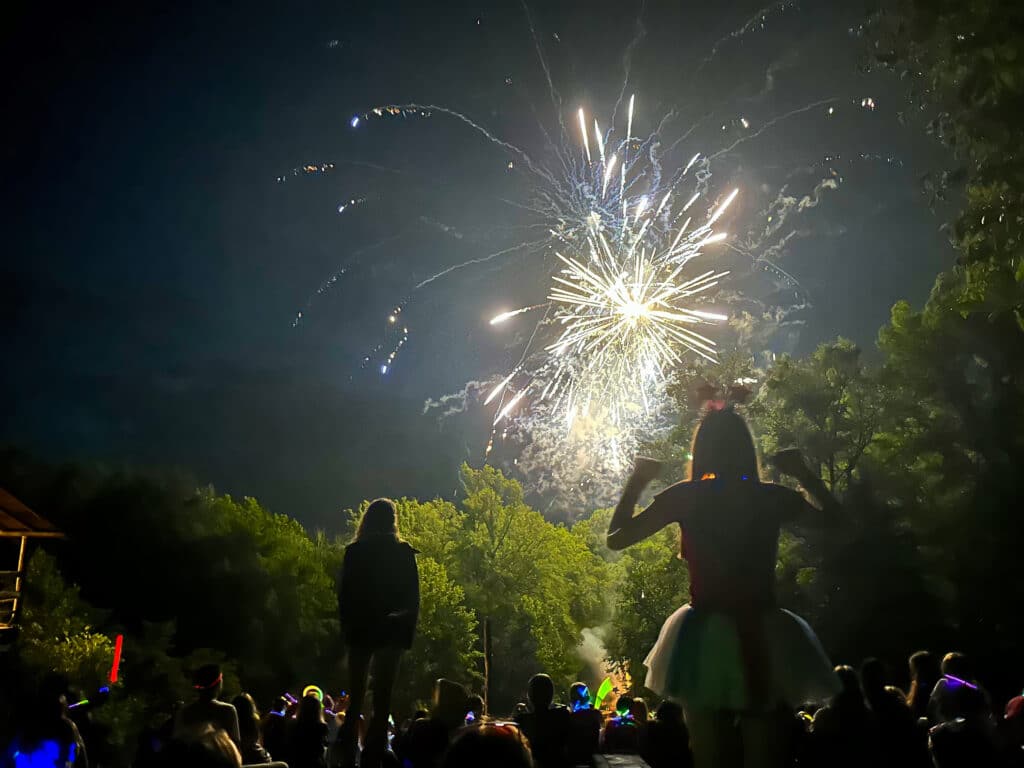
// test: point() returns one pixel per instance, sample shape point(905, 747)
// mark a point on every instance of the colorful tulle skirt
point(698, 660)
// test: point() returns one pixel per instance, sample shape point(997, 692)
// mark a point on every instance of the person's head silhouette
point(541, 692)
point(311, 710)
point(579, 697)
point(379, 519)
point(208, 681)
point(957, 665)
point(872, 678)
point(723, 448)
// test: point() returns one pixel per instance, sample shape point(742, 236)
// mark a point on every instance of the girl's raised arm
point(625, 529)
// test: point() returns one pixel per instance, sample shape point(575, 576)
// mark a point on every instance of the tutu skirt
point(698, 661)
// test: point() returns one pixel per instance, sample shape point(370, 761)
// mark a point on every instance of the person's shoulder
point(788, 503)
point(224, 710)
point(408, 548)
point(677, 491)
point(823, 717)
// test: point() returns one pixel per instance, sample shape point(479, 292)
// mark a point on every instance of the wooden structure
point(20, 523)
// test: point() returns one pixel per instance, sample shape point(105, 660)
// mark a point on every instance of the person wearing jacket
point(378, 602)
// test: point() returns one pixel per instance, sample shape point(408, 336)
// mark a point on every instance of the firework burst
point(622, 306)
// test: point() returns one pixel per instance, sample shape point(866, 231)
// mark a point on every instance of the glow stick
point(958, 681)
point(118, 645)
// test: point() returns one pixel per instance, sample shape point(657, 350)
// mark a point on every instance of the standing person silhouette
point(379, 602)
point(734, 660)
point(208, 709)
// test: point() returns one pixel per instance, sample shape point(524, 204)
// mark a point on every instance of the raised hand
point(790, 461)
point(646, 469)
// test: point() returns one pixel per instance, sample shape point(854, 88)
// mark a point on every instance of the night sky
point(153, 265)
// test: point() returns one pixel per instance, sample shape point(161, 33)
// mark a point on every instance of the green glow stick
point(602, 692)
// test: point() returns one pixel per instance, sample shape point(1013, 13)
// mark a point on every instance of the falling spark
point(583, 131)
point(506, 315)
point(608, 175)
point(509, 406)
point(500, 387)
point(722, 208)
point(629, 119)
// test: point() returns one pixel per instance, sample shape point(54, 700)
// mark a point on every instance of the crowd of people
point(734, 673)
point(945, 720)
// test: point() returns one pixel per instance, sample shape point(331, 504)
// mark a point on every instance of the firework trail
point(757, 20)
point(772, 123)
point(543, 173)
point(481, 260)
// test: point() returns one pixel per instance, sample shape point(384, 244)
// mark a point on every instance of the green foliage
point(189, 577)
point(828, 404)
point(58, 638)
point(57, 628)
point(537, 583)
point(651, 583)
point(958, 446)
point(445, 644)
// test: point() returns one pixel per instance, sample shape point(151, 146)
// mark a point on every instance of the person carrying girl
point(736, 662)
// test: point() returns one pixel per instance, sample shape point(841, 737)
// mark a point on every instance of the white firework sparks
point(622, 309)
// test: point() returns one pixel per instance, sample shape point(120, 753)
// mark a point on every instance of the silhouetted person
point(208, 681)
point(897, 728)
point(48, 737)
point(95, 733)
point(668, 741)
point(488, 746)
point(845, 732)
point(308, 742)
point(924, 674)
point(427, 737)
point(621, 734)
point(639, 710)
point(475, 711)
point(249, 730)
point(274, 727)
point(963, 732)
point(641, 716)
point(545, 726)
point(958, 695)
point(584, 726)
point(379, 601)
point(209, 748)
point(732, 657)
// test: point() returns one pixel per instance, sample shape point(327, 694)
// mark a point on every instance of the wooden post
point(487, 665)
point(18, 579)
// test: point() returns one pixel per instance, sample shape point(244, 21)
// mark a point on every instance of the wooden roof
point(18, 520)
